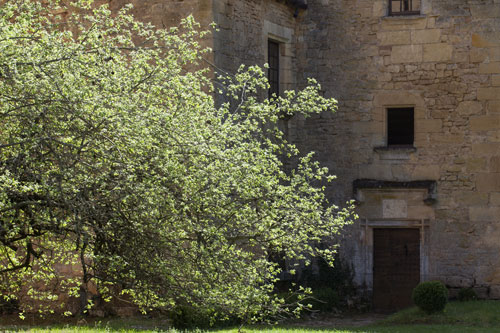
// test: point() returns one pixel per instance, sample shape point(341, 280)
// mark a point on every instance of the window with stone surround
point(404, 7)
point(273, 73)
point(400, 127)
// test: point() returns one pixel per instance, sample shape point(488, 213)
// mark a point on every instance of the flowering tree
point(115, 159)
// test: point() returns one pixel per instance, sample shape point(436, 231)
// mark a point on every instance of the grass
point(474, 316)
point(473, 313)
point(64, 324)
point(375, 329)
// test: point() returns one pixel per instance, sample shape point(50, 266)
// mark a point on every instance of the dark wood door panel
point(396, 267)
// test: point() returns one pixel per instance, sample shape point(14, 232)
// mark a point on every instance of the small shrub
point(467, 294)
point(430, 296)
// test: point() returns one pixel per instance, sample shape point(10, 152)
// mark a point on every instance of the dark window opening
point(273, 59)
point(400, 126)
point(404, 7)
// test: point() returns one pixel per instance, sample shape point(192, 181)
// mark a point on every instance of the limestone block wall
point(244, 28)
point(446, 64)
point(168, 13)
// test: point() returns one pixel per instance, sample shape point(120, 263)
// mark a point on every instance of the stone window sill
point(404, 17)
point(408, 148)
point(402, 152)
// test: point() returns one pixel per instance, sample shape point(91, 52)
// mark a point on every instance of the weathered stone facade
point(444, 62)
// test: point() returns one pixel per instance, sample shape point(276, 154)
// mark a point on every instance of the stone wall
point(445, 63)
point(169, 13)
point(243, 30)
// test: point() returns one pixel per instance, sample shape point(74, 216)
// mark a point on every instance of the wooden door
point(396, 267)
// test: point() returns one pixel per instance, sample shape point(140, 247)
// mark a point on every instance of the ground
point(474, 316)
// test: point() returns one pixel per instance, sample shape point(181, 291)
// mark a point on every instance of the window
point(400, 127)
point(273, 59)
point(404, 7)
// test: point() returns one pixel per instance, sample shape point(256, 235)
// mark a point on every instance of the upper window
point(404, 7)
point(273, 59)
point(400, 126)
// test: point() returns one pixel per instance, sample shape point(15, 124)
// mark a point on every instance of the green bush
point(430, 296)
point(467, 294)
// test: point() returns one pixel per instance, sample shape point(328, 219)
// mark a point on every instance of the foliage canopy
point(116, 161)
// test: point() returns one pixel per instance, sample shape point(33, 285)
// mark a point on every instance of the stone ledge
point(402, 148)
point(404, 17)
point(429, 185)
point(395, 152)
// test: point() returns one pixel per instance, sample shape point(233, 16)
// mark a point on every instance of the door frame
point(367, 227)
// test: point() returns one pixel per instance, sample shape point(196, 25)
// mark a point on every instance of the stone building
point(416, 138)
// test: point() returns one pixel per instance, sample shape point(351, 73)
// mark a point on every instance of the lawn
point(474, 316)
